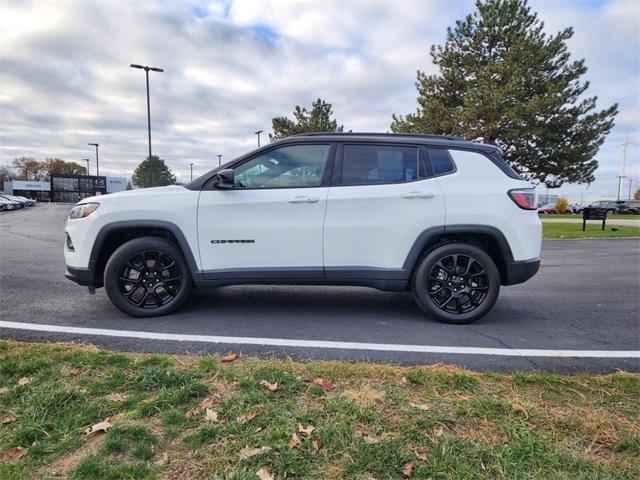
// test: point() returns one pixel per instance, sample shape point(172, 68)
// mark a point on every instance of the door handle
point(417, 195)
point(303, 199)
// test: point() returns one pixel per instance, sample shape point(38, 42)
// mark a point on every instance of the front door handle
point(417, 195)
point(303, 199)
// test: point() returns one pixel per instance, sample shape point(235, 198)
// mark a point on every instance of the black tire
point(447, 293)
point(147, 277)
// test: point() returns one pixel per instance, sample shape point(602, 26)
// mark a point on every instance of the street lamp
point(86, 160)
point(220, 158)
point(146, 71)
point(191, 171)
point(97, 163)
point(258, 134)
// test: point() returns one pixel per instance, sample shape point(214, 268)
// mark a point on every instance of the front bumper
point(520, 271)
point(82, 276)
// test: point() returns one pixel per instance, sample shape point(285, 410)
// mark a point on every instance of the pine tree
point(503, 81)
point(318, 119)
point(162, 175)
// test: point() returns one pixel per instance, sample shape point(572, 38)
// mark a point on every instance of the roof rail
point(379, 134)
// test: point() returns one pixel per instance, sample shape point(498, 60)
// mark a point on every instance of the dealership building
point(66, 188)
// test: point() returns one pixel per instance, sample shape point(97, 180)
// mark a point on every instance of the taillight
point(525, 198)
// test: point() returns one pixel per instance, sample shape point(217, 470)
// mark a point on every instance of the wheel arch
point(490, 239)
point(111, 236)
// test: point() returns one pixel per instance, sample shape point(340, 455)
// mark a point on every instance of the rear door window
point(378, 164)
point(441, 161)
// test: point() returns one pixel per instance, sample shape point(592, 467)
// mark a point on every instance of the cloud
point(230, 66)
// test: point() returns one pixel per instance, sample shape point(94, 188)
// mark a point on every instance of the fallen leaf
point(317, 444)
point(421, 453)
point(3, 390)
point(24, 380)
point(263, 474)
point(438, 432)
point(74, 372)
point(420, 406)
point(250, 452)
point(408, 469)
point(294, 442)
point(327, 386)
point(306, 431)
point(9, 419)
point(98, 427)
point(192, 413)
point(272, 387)
point(116, 397)
point(16, 453)
point(163, 460)
point(258, 430)
point(229, 357)
point(403, 380)
point(519, 408)
point(206, 403)
point(211, 415)
point(505, 438)
point(242, 419)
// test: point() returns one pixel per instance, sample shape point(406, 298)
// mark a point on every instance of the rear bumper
point(82, 276)
point(518, 272)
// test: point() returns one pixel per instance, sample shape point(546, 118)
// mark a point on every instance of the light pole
point(146, 71)
point(258, 134)
point(220, 159)
point(620, 177)
point(97, 162)
point(191, 172)
point(630, 182)
point(86, 160)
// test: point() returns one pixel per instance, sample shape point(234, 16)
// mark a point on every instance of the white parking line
point(285, 342)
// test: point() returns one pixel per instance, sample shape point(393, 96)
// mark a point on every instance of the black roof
point(409, 138)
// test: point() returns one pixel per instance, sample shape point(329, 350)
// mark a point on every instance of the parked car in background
point(610, 205)
point(29, 202)
point(7, 204)
point(629, 207)
point(550, 209)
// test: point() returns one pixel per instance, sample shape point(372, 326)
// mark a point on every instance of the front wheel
point(456, 283)
point(147, 277)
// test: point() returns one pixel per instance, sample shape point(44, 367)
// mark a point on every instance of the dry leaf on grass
point(519, 408)
point(116, 397)
point(438, 432)
point(74, 372)
point(505, 438)
point(16, 453)
point(407, 470)
point(327, 386)
point(421, 453)
point(294, 442)
point(24, 380)
point(164, 459)
point(3, 390)
point(263, 474)
point(420, 406)
point(98, 427)
point(306, 431)
point(206, 403)
point(192, 413)
point(272, 387)
point(229, 357)
point(317, 444)
point(242, 419)
point(9, 419)
point(251, 452)
point(211, 415)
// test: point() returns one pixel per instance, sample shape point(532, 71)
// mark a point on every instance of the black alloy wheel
point(147, 277)
point(456, 283)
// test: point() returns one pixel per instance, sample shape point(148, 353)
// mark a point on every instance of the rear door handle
point(417, 195)
point(303, 199)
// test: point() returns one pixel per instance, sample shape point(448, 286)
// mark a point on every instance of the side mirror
point(224, 179)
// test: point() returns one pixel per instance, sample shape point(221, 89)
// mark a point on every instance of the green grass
point(463, 424)
point(593, 230)
point(578, 216)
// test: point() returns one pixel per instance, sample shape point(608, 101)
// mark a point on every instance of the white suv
point(441, 216)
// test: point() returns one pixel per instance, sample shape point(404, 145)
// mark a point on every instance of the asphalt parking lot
point(580, 313)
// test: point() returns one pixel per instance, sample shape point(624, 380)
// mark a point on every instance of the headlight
point(84, 210)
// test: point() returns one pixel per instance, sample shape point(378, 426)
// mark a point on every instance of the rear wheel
point(147, 277)
point(456, 283)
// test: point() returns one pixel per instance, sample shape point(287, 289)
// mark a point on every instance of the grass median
point(593, 230)
point(578, 216)
point(193, 417)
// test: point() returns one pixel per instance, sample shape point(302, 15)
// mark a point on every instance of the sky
point(231, 66)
